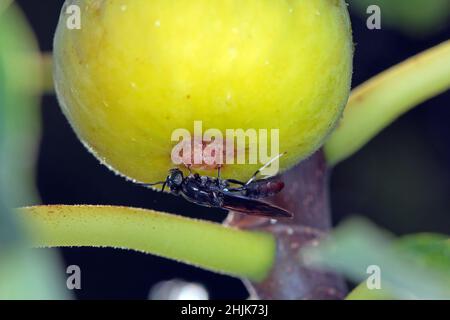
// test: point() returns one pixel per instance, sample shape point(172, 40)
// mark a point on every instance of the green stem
point(204, 244)
point(378, 102)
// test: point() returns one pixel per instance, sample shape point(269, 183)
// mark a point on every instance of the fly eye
point(178, 179)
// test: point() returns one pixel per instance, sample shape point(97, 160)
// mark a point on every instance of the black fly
point(220, 193)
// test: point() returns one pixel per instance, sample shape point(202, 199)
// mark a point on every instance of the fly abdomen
point(263, 188)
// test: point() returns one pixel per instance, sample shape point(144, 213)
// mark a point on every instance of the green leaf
point(4, 4)
point(362, 292)
point(431, 251)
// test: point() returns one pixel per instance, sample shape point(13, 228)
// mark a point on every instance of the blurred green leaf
point(430, 251)
point(19, 127)
point(4, 4)
point(24, 273)
point(415, 267)
point(362, 292)
point(413, 17)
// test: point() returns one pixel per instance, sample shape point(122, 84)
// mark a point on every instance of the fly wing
point(252, 207)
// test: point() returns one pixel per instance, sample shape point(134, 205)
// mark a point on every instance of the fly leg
point(236, 182)
point(218, 171)
point(148, 185)
point(217, 200)
point(240, 189)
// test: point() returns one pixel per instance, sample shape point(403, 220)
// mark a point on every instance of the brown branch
point(305, 195)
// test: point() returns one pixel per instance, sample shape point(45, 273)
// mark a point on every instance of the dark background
point(400, 180)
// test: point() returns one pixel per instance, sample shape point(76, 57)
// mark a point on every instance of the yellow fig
point(137, 70)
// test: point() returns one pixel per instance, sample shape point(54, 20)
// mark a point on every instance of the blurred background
point(400, 180)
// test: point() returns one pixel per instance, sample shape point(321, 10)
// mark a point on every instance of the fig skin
point(139, 69)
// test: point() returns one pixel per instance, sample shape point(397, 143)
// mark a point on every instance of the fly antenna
point(264, 166)
point(152, 184)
